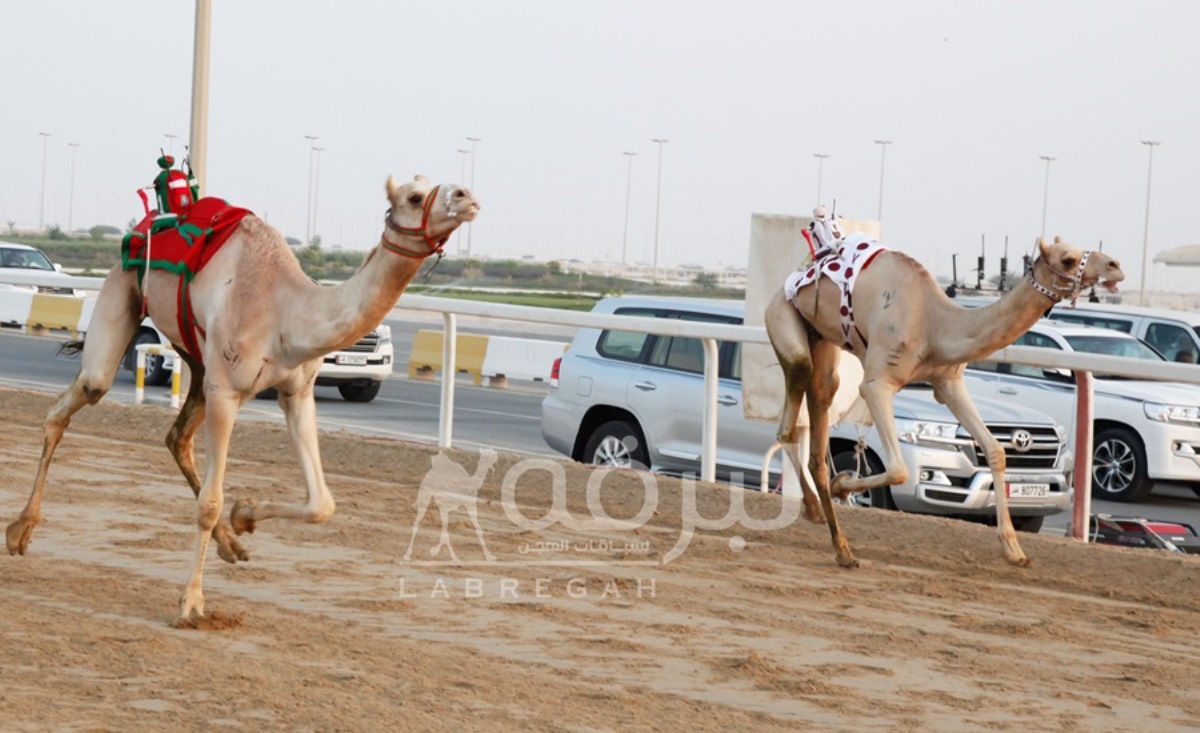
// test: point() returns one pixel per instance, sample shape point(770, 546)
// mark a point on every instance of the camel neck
point(340, 315)
point(973, 333)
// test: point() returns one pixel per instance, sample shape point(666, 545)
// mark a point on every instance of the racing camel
point(256, 321)
point(887, 310)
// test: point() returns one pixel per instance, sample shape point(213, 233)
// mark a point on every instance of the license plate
point(353, 359)
point(1018, 491)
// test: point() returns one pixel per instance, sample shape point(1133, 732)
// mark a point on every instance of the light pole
point(882, 151)
point(1146, 231)
point(820, 170)
point(462, 181)
point(471, 224)
point(316, 189)
point(1045, 193)
point(628, 188)
point(42, 209)
point(312, 144)
point(71, 197)
point(657, 203)
point(170, 143)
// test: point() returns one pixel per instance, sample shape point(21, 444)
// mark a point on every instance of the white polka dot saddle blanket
point(841, 265)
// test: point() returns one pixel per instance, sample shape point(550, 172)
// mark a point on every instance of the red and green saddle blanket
point(182, 244)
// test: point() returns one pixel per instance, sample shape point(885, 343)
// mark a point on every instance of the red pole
point(1081, 518)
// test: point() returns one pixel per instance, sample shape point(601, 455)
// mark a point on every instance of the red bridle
point(435, 246)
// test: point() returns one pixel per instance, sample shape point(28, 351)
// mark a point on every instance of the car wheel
point(157, 373)
point(1033, 525)
point(1119, 467)
point(618, 444)
point(881, 498)
point(360, 392)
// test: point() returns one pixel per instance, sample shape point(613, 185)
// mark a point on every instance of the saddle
point(841, 263)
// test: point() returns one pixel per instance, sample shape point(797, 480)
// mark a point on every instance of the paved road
point(507, 419)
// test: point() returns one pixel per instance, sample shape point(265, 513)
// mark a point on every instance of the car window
point(623, 345)
point(1173, 342)
point(1090, 319)
point(1038, 340)
point(1128, 347)
point(684, 354)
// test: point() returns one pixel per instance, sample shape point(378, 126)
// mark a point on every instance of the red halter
point(435, 246)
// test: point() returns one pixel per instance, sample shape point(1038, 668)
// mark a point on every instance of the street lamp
point(1146, 231)
point(1045, 193)
point(316, 188)
point(658, 206)
point(170, 142)
point(628, 188)
point(471, 224)
point(882, 151)
point(462, 181)
point(42, 210)
point(820, 170)
point(71, 197)
point(312, 144)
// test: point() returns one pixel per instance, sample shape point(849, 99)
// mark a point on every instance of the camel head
point(1064, 270)
point(432, 212)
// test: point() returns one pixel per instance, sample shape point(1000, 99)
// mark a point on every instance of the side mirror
point(57, 267)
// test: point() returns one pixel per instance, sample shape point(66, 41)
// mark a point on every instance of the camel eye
point(415, 199)
point(1068, 262)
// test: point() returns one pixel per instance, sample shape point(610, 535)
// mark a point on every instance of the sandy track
point(329, 628)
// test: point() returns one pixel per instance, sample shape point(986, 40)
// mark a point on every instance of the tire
point(1032, 525)
point(881, 498)
point(617, 444)
point(360, 392)
point(1119, 467)
point(157, 373)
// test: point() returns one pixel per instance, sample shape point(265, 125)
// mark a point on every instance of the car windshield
point(1106, 346)
point(29, 259)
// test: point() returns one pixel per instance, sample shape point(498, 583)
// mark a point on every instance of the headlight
point(1178, 414)
point(385, 334)
point(925, 432)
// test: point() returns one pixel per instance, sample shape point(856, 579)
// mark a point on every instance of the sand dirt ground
point(575, 626)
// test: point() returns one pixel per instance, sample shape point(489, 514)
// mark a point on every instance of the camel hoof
point(847, 562)
point(242, 524)
point(1019, 562)
point(230, 550)
point(814, 515)
point(18, 535)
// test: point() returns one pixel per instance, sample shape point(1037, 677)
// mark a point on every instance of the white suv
point(1144, 430)
point(1174, 334)
point(634, 399)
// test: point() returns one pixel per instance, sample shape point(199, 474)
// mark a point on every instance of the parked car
point(357, 372)
point(1144, 431)
point(22, 258)
point(630, 399)
point(1174, 334)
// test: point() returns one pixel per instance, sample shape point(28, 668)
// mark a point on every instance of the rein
point(1074, 282)
point(435, 245)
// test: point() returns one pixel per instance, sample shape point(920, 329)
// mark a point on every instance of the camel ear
point(1043, 250)
point(420, 178)
point(1058, 240)
point(392, 188)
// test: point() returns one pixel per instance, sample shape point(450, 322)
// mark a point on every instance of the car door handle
point(1007, 390)
point(727, 400)
point(646, 386)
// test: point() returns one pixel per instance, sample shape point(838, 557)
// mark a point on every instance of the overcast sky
point(970, 93)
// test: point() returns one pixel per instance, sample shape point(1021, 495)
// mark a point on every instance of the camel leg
point(444, 540)
point(114, 322)
point(300, 410)
point(790, 340)
point(222, 410)
point(953, 393)
point(880, 397)
point(821, 391)
point(180, 440)
point(473, 513)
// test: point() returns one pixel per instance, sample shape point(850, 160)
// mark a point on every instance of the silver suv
point(633, 399)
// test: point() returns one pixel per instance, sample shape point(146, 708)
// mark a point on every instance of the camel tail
point(74, 347)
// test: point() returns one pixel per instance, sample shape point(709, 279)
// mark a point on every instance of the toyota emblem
point(1022, 441)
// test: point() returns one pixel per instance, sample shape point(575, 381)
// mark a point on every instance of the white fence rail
point(709, 334)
